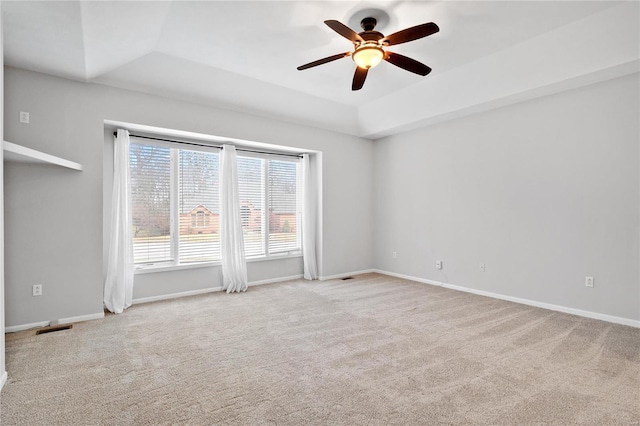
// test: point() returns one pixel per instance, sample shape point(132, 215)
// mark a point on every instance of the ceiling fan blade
point(358, 78)
point(407, 63)
point(344, 31)
point(410, 34)
point(323, 61)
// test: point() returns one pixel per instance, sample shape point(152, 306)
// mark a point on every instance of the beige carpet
point(372, 350)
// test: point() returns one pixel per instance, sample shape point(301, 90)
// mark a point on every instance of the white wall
point(544, 193)
point(54, 216)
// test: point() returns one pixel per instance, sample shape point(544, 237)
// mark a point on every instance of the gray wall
point(54, 217)
point(544, 193)
point(2, 351)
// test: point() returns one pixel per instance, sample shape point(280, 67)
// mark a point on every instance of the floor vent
point(347, 278)
point(54, 328)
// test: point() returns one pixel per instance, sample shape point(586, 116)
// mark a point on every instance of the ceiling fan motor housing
point(371, 35)
point(368, 23)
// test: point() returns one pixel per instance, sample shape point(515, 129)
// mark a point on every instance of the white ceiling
point(243, 55)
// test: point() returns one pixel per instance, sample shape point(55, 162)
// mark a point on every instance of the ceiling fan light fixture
point(368, 48)
point(368, 55)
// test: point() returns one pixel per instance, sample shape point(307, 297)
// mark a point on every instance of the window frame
point(266, 220)
point(174, 263)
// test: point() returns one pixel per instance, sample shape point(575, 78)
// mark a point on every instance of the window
point(199, 215)
point(200, 219)
point(283, 198)
point(175, 204)
point(269, 205)
point(174, 192)
point(151, 203)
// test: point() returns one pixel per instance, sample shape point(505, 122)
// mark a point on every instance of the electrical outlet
point(394, 255)
point(482, 267)
point(37, 290)
point(24, 117)
point(438, 264)
point(588, 281)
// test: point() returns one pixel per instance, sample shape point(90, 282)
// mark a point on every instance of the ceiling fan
point(368, 48)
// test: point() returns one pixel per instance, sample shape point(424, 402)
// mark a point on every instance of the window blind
point(176, 211)
point(199, 213)
point(151, 203)
point(283, 206)
point(251, 189)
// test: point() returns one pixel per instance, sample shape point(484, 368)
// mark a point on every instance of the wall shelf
point(19, 153)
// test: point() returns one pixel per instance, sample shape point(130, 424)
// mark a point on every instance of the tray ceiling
point(243, 55)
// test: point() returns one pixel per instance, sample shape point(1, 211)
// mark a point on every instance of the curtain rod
point(212, 146)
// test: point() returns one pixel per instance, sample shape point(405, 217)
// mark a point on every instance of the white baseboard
point(275, 280)
point(22, 327)
point(408, 277)
point(3, 380)
point(175, 295)
point(346, 274)
point(81, 318)
point(208, 290)
point(552, 307)
point(40, 324)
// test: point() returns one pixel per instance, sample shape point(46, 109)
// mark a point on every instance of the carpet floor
point(373, 350)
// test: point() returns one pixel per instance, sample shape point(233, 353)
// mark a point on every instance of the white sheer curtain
point(118, 285)
point(234, 265)
point(309, 220)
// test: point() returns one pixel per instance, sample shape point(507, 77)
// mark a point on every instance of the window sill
point(149, 269)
